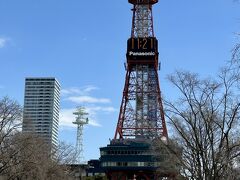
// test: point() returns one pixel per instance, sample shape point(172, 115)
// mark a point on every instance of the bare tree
point(26, 156)
point(236, 53)
point(65, 153)
point(29, 158)
point(205, 120)
point(33, 159)
point(167, 154)
point(10, 123)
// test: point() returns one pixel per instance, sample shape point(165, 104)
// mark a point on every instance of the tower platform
point(130, 159)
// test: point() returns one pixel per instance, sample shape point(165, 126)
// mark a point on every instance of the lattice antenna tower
point(80, 121)
point(141, 112)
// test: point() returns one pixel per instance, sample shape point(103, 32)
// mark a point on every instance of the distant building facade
point(41, 109)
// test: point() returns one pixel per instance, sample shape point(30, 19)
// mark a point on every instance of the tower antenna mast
point(80, 121)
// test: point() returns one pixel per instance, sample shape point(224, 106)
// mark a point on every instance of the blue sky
point(83, 45)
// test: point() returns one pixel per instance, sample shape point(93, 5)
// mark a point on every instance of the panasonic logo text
point(141, 53)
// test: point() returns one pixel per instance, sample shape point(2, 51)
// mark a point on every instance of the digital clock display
point(142, 48)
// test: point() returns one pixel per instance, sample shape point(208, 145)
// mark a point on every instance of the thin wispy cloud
point(82, 95)
point(87, 99)
point(103, 109)
point(78, 91)
point(3, 41)
point(70, 91)
point(94, 106)
point(90, 88)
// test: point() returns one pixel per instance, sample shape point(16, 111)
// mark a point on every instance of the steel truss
point(141, 112)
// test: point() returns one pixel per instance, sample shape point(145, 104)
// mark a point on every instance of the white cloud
point(67, 117)
point(70, 91)
point(103, 109)
point(81, 96)
point(3, 42)
point(78, 91)
point(87, 99)
point(90, 88)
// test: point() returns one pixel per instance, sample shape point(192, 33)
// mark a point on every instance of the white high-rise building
point(41, 109)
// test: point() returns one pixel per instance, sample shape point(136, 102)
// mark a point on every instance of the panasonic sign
point(141, 53)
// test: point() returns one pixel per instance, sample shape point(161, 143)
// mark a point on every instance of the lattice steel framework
point(141, 112)
point(80, 122)
point(142, 23)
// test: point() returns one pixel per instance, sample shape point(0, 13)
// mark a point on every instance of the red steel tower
point(131, 154)
point(141, 112)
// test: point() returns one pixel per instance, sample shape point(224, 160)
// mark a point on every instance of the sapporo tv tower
point(141, 119)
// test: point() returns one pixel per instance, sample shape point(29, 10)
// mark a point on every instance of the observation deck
point(132, 157)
